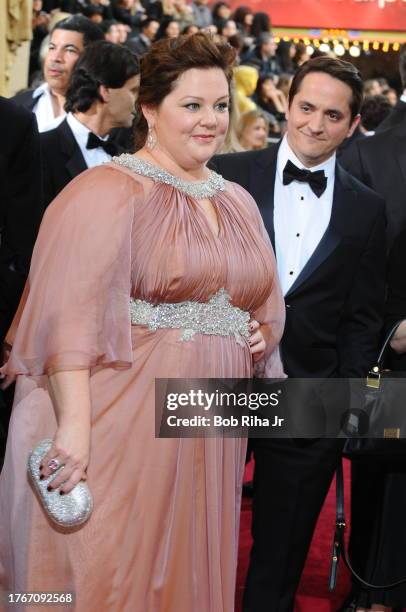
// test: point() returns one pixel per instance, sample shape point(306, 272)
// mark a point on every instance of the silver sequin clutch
point(69, 510)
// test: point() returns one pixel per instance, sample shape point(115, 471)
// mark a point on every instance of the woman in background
point(253, 131)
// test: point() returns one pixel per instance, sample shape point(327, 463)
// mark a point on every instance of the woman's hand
point(256, 341)
point(71, 448)
point(70, 393)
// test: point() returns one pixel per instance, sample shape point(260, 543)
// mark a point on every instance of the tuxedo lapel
point(75, 163)
point(344, 199)
point(262, 186)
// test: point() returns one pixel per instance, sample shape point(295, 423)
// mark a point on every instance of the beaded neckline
point(198, 190)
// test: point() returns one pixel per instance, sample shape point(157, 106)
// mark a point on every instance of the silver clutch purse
point(69, 510)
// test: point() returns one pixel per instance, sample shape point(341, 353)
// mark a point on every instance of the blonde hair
point(248, 119)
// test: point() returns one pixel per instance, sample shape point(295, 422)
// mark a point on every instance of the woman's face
point(172, 31)
point(224, 11)
point(248, 19)
point(255, 134)
point(191, 122)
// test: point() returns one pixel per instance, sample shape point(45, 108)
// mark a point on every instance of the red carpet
point(313, 594)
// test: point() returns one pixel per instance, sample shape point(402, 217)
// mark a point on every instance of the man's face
point(230, 29)
point(268, 49)
point(123, 32)
point(151, 30)
point(63, 52)
point(319, 118)
point(113, 34)
point(121, 102)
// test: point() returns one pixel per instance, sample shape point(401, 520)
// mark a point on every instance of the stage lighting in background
point(355, 51)
point(339, 50)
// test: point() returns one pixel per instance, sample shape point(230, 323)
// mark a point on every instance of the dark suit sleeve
point(22, 212)
point(361, 327)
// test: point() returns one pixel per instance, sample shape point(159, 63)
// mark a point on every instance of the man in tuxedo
point(380, 163)
point(398, 114)
point(67, 40)
point(20, 215)
point(328, 231)
point(101, 96)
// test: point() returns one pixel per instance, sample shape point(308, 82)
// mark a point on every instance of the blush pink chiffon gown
point(163, 536)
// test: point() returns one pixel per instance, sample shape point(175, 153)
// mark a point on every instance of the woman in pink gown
point(161, 228)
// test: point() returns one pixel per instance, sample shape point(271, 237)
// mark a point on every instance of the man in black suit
point(101, 96)
point(398, 114)
point(20, 214)
point(328, 231)
point(67, 40)
point(141, 43)
point(380, 163)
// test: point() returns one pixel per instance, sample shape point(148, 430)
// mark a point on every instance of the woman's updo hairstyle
point(167, 60)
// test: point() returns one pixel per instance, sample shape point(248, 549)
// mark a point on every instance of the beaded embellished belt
point(216, 317)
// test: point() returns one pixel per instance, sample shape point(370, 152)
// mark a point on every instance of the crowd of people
point(175, 150)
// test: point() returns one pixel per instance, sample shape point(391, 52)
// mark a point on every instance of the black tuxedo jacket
point(334, 309)
point(395, 117)
point(137, 45)
point(20, 203)
point(380, 163)
point(62, 160)
point(26, 99)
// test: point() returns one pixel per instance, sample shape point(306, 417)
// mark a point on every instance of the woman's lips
point(204, 137)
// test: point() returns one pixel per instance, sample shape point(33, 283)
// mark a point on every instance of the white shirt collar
point(80, 131)
point(285, 153)
point(41, 89)
point(403, 96)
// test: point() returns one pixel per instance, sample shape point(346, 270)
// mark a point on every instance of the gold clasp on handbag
point(374, 378)
point(393, 432)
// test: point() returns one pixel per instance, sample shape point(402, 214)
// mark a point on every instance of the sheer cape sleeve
point(271, 315)
point(75, 313)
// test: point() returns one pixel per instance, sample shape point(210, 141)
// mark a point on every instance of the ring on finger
point(53, 464)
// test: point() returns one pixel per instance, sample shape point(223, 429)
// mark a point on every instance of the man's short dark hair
point(107, 24)
point(338, 69)
point(102, 63)
point(78, 23)
point(145, 24)
point(374, 110)
point(402, 65)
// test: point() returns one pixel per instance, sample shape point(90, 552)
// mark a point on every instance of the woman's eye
point(222, 107)
point(192, 106)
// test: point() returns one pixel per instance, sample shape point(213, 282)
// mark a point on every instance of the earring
point(151, 138)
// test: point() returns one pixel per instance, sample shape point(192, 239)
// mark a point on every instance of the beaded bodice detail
point(198, 190)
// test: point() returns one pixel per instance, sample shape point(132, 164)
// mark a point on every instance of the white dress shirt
point(300, 217)
point(44, 110)
point(403, 97)
point(92, 157)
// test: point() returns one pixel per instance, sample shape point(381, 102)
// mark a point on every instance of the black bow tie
point(317, 180)
point(94, 142)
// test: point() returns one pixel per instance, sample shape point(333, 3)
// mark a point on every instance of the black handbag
point(339, 547)
point(383, 409)
point(385, 406)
